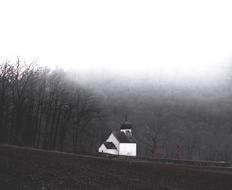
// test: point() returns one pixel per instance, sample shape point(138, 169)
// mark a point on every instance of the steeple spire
point(126, 127)
point(125, 117)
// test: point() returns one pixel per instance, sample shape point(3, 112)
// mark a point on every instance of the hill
point(25, 168)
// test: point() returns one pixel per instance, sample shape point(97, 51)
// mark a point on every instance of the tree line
point(42, 108)
point(48, 109)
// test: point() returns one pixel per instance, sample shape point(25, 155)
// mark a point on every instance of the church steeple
point(126, 117)
point(126, 127)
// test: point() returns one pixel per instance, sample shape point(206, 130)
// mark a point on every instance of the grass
point(24, 168)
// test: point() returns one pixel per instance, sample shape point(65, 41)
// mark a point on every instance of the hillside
point(25, 168)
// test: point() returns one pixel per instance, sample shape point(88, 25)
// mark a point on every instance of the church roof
point(109, 145)
point(126, 125)
point(123, 138)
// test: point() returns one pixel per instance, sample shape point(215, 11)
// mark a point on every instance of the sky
point(171, 39)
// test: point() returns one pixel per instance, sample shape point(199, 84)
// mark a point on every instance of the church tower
point(126, 127)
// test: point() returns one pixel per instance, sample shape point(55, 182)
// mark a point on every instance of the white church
point(120, 142)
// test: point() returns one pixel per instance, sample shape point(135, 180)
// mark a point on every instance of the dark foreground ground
point(22, 168)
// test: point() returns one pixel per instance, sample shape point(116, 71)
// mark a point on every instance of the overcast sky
point(181, 38)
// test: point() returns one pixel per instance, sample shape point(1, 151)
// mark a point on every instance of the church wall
point(127, 149)
point(103, 149)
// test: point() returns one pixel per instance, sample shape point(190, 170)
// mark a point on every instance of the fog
point(166, 64)
point(164, 40)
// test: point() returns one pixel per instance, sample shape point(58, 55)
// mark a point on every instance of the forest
point(68, 111)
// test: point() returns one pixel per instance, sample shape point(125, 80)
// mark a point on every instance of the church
point(120, 142)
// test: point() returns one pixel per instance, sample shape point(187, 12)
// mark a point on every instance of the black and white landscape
point(115, 95)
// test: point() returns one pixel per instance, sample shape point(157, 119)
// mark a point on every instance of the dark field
point(22, 168)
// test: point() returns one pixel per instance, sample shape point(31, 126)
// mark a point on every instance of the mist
point(119, 94)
